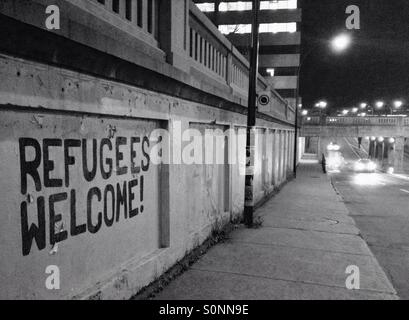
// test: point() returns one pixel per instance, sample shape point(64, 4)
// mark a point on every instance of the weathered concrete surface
point(302, 250)
point(183, 204)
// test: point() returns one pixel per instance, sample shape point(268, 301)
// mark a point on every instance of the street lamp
point(304, 112)
point(321, 104)
point(341, 42)
point(380, 104)
point(363, 105)
point(345, 112)
point(355, 110)
point(398, 104)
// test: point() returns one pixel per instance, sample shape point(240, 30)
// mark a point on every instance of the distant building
point(280, 37)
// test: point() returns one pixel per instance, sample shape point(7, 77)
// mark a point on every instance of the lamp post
point(379, 105)
point(341, 42)
point(251, 119)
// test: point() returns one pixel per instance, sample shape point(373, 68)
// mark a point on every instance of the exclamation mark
point(141, 193)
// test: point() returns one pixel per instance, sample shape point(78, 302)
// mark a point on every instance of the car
point(333, 147)
point(365, 165)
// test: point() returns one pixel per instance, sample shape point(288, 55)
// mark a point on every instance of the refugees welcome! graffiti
point(102, 160)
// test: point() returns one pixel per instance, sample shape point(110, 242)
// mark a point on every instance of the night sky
point(376, 66)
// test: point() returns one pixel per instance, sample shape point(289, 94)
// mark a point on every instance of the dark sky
point(376, 66)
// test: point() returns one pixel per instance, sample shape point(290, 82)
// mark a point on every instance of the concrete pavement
point(301, 251)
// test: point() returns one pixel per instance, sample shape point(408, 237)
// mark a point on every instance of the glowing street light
point(322, 104)
point(379, 104)
point(341, 42)
point(381, 139)
point(363, 105)
point(345, 112)
point(398, 104)
point(392, 140)
point(304, 112)
point(355, 110)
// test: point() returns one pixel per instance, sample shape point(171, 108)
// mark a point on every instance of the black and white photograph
point(199, 156)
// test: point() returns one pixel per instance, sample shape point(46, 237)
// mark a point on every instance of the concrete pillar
point(322, 147)
point(319, 151)
point(398, 154)
point(276, 158)
point(174, 32)
point(290, 150)
point(371, 149)
point(281, 151)
point(285, 155)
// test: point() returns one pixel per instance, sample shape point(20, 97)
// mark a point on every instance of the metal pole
point(251, 119)
point(297, 92)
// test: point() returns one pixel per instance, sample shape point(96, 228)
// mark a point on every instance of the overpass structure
point(82, 109)
point(384, 136)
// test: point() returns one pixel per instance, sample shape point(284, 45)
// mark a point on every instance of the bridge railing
point(172, 38)
point(355, 121)
point(206, 48)
point(212, 53)
point(139, 17)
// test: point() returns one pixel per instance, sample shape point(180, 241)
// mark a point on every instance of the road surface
point(379, 204)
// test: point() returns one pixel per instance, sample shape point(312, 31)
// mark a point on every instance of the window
point(271, 72)
point(235, 28)
point(206, 7)
point(235, 6)
point(278, 4)
point(264, 5)
point(264, 28)
point(278, 27)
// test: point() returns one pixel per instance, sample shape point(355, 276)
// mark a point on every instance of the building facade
point(280, 37)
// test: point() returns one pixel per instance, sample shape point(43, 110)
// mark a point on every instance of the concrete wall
point(80, 188)
point(48, 115)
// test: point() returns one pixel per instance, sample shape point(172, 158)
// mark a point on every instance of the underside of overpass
point(383, 138)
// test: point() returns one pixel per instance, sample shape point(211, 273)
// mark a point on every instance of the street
point(378, 203)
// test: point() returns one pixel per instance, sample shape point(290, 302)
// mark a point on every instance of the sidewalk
point(302, 250)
